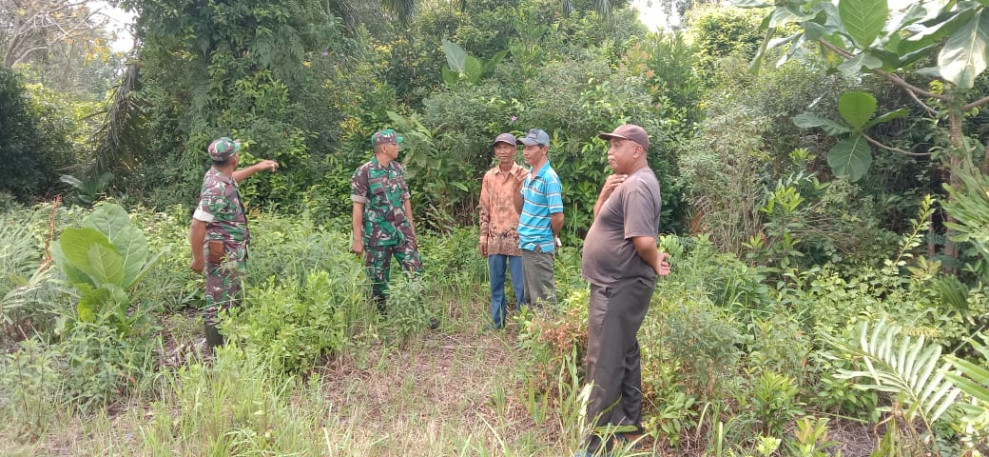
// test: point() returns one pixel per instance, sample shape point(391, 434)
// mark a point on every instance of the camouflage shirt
point(382, 190)
point(220, 207)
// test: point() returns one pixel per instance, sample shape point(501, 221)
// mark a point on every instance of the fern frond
point(905, 366)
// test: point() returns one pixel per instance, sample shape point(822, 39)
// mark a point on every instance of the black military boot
point(213, 337)
point(381, 302)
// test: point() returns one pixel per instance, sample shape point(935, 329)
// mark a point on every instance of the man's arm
point(407, 206)
point(645, 246)
point(556, 223)
point(484, 216)
point(517, 197)
point(197, 237)
point(244, 173)
point(357, 222)
point(610, 184)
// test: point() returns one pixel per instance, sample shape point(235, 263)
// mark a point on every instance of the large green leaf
point(473, 69)
point(963, 56)
point(110, 219)
point(455, 55)
point(450, 77)
point(132, 247)
point(105, 265)
point(129, 241)
point(74, 275)
point(857, 108)
point(787, 14)
point(852, 67)
point(809, 121)
point(863, 19)
point(850, 158)
point(75, 244)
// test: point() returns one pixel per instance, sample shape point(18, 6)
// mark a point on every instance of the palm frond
point(904, 366)
point(404, 9)
point(975, 381)
point(119, 138)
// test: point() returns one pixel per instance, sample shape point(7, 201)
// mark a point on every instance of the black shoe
point(382, 303)
point(213, 337)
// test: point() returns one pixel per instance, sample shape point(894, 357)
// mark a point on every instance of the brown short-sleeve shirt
point(631, 211)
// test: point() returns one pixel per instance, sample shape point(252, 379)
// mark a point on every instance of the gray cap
point(535, 137)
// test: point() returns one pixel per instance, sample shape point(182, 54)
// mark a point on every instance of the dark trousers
point(615, 315)
point(540, 283)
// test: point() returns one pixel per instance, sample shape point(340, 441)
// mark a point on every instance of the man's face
point(622, 154)
point(390, 150)
point(534, 154)
point(504, 152)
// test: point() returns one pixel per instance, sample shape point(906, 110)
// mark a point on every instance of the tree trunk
point(985, 161)
point(955, 159)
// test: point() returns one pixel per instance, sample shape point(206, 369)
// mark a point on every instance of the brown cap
point(629, 132)
point(506, 138)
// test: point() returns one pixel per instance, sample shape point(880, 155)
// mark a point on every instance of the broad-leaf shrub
point(292, 325)
point(105, 259)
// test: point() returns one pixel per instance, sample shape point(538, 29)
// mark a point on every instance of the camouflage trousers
point(224, 283)
point(377, 262)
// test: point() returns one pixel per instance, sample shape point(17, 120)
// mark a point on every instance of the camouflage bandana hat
point(386, 136)
point(222, 149)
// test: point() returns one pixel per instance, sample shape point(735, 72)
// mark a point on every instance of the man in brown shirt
point(621, 262)
point(500, 193)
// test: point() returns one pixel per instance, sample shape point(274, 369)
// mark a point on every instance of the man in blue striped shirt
point(540, 220)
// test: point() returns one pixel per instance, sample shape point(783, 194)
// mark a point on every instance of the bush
point(32, 155)
point(292, 326)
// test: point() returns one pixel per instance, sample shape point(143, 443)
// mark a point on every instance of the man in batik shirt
point(501, 192)
point(219, 233)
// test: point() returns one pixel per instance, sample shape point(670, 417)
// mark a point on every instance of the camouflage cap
point(386, 136)
point(222, 149)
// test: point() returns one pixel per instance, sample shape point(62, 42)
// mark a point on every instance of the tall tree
point(31, 27)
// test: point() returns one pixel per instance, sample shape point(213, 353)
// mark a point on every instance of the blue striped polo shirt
point(543, 196)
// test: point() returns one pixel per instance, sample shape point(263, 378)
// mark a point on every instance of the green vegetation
point(827, 218)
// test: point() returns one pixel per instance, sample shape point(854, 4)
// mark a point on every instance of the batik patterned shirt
point(499, 218)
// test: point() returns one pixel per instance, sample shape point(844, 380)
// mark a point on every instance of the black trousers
point(613, 365)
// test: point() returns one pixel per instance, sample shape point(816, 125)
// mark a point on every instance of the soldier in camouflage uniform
point(382, 216)
point(219, 234)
